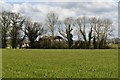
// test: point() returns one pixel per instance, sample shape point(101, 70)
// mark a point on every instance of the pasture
point(41, 63)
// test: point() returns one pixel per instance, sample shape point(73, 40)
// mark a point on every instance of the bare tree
point(101, 30)
point(16, 22)
point(95, 23)
point(82, 23)
point(106, 31)
point(51, 22)
point(65, 30)
point(5, 25)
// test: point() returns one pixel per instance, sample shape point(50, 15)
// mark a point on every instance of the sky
point(38, 9)
point(61, 0)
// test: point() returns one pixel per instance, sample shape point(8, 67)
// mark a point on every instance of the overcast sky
point(37, 9)
point(62, 0)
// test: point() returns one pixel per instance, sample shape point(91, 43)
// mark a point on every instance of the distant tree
point(5, 25)
point(82, 23)
point(32, 31)
point(51, 22)
point(16, 22)
point(95, 23)
point(106, 32)
point(101, 30)
point(97, 29)
point(65, 30)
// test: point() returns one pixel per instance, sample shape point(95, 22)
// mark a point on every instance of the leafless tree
point(16, 22)
point(102, 28)
point(83, 25)
point(106, 30)
point(5, 25)
point(51, 22)
point(65, 30)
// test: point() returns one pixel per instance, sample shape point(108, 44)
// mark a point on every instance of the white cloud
point(62, 0)
point(63, 13)
point(5, 6)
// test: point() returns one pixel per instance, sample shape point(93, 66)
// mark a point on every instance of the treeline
point(92, 32)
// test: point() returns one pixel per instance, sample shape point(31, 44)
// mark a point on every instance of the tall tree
point(82, 23)
point(5, 25)
point(95, 23)
point(101, 30)
point(32, 31)
point(17, 22)
point(65, 29)
point(51, 22)
point(106, 32)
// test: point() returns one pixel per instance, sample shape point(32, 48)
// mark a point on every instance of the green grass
point(27, 63)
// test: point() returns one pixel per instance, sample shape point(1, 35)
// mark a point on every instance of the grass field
point(27, 63)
